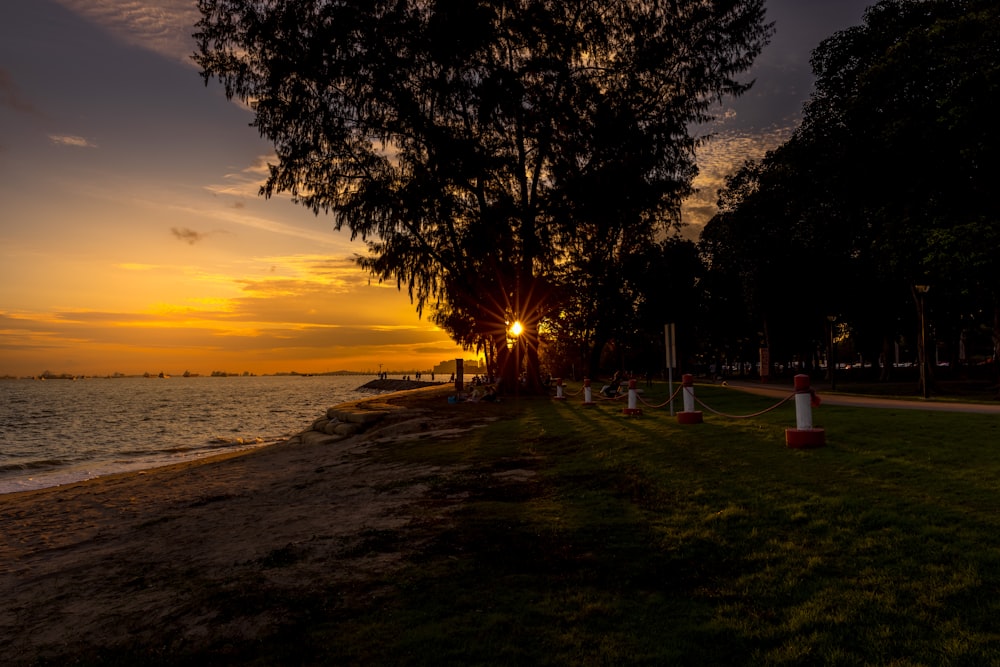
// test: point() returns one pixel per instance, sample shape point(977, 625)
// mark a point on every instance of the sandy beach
point(217, 550)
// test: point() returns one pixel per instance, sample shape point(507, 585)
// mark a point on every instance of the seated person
point(611, 390)
point(483, 392)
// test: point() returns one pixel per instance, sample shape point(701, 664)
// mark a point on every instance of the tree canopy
point(492, 155)
point(884, 185)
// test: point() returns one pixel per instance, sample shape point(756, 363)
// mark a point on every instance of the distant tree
point(914, 86)
point(885, 184)
point(478, 147)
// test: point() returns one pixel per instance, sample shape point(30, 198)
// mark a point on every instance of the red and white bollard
point(559, 390)
point(804, 435)
point(689, 415)
point(633, 401)
point(588, 394)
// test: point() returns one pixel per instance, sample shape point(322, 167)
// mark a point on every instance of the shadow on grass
point(587, 537)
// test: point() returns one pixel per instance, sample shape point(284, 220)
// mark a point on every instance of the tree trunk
point(506, 369)
point(532, 367)
point(926, 377)
point(888, 357)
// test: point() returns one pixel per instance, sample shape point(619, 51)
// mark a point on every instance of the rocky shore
point(350, 419)
point(397, 385)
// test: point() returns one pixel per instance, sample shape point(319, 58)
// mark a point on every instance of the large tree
point(480, 148)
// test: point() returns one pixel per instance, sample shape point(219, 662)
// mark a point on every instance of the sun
point(516, 329)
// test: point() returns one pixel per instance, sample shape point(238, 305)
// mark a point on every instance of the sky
point(132, 238)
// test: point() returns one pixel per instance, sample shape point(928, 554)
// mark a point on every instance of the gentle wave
point(58, 432)
point(32, 465)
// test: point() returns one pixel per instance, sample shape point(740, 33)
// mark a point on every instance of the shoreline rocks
point(350, 419)
point(397, 385)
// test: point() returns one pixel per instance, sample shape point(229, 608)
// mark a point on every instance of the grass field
point(587, 537)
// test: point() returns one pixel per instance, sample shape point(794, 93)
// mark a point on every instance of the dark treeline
point(881, 203)
point(524, 162)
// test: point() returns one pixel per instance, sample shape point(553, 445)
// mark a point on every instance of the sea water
point(55, 432)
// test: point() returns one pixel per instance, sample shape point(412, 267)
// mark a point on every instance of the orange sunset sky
point(132, 238)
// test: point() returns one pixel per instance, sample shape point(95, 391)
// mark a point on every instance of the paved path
point(780, 391)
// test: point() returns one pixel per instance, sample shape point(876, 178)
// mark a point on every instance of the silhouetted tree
point(475, 145)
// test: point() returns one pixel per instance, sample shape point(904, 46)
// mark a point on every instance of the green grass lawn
point(638, 540)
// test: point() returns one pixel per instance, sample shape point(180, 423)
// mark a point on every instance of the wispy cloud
point(162, 26)
point(247, 181)
point(189, 236)
point(237, 215)
point(11, 97)
point(71, 140)
point(286, 312)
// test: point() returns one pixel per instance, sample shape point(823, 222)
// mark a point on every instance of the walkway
point(867, 401)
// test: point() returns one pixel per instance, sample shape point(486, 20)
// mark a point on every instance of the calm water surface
point(59, 431)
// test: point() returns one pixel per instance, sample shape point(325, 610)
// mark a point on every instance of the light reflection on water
point(58, 431)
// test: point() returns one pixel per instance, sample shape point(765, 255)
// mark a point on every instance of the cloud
point(237, 215)
point(280, 311)
point(189, 236)
point(720, 157)
point(11, 98)
point(162, 26)
point(247, 182)
point(71, 140)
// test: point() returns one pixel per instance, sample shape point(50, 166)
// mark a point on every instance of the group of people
point(483, 392)
point(485, 388)
point(416, 376)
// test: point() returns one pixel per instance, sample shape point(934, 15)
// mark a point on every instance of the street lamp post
point(921, 292)
point(831, 362)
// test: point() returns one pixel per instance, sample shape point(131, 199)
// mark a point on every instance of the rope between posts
point(755, 414)
point(664, 403)
point(619, 397)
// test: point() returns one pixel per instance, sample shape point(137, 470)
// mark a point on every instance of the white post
point(804, 434)
point(689, 415)
point(633, 408)
point(803, 411)
point(688, 395)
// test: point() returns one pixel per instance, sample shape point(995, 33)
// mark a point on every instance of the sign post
point(670, 338)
